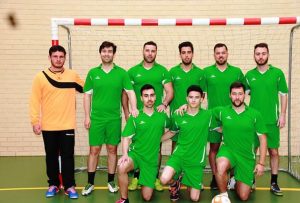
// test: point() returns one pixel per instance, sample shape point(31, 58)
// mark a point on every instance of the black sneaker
point(213, 184)
point(174, 189)
point(275, 189)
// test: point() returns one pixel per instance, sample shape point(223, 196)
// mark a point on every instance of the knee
point(122, 169)
point(147, 197)
point(243, 196)
point(194, 198)
point(112, 150)
point(274, 153)
point(94, 151)
point(163, 180)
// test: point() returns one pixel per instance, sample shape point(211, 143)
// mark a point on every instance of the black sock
point(136, 174)
point(91, 177)
point(274, 178)
point(110, 177)
point(213, 178)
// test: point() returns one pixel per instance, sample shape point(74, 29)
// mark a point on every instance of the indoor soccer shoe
point(88, 189)
point(72, 193)
point(231, 183)
point(112, 187)
point(158, 186)
point(123, 201)
point(134, 184)
point(52, 191)
point(174, 189)
point(275, 189)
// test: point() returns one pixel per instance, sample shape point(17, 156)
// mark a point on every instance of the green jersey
point(181, 81)
point(146, 132)
point(264, 89)
point(240, 129)
point(106, 90)
point(217, 84)
point(156, 76)
point(192, 136)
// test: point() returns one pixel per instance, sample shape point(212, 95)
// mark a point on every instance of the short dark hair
point(150, 43)
point(195, 88)
point(218, 45)
point(237, 84)
point(185, 44)
point(146, 87)
point(107, 44)
point(262, 45)
point(56, 48)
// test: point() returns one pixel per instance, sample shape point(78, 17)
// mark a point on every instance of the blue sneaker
point(72, 193)
point(52, 190)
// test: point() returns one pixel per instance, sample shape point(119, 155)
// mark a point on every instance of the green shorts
point(273, 136)
point(243, 167)
point(214, 137)
point(148, 171)
point(105, 132)
point(192, 174)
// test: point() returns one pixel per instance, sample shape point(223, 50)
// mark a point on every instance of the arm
point(35, 107)
point(167, 135)
point(125, 105)
point(259, 168)
point(132, 101)
point(87, 110)
point(168, 98)
point(283, 106)
point(125, 147)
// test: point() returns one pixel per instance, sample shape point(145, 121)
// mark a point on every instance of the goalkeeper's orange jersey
point(53, 102)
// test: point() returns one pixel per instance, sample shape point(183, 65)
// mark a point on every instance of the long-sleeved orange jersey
point(52, 102)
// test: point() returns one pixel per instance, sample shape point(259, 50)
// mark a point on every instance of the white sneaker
point(112, 187)
point(88, 189)
point(231, 183)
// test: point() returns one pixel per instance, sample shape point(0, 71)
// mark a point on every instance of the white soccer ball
point(220, 199)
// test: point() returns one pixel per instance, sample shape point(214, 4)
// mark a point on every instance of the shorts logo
point(228, 117)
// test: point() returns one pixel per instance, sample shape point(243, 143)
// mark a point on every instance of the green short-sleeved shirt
point(181, 81)
point(156, 76)
point(146, 132)
point(264, 89)
point(217, 84)
point(192, 136)
point(106, 90)
point(240, 130)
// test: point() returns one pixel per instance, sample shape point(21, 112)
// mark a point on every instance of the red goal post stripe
point(167, 22)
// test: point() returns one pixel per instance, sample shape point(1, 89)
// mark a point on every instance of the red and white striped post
point(167, 22)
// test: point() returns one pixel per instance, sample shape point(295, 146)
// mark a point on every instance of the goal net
point(85, 42)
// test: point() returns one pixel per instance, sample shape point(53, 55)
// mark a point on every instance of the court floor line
point(105, 188)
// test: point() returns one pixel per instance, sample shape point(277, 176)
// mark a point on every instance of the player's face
point(149, 53)
point(221, 55)
point(107, 55)
point(237, 96)
point(261, 56)
point(57, 59)
point(194, 99)
point(148, 98)
point(186, 55)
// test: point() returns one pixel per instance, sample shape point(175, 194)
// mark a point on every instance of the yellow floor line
point(105, 188)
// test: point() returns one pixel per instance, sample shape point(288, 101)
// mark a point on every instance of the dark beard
point(237, 105)
point(259, 64)
point(220, 64)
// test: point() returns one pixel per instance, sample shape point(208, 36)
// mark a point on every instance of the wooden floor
point(23, 180)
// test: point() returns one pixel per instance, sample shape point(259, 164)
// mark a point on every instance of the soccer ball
point(220, 199)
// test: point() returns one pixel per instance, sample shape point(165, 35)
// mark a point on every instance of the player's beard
point(237, 105)
point(60, 66)
point(149, 60)
point(187, 63)
point(149, 104)
point(221, 63)
point(261, 63)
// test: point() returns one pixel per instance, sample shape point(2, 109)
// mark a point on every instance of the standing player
point(240, 126)
point(190, 152)
point(150, 72)
point(184, 75)
point(145, 132)
point(102, 101)
point(265, 82)
point(52, 112)
point(218, 78)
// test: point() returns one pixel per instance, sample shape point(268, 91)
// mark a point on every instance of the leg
point(52, 150)
point(167, 175)
point(223, 165)
point(123, 177)
point(112, 158)
point(93, 158)
point(213, 150)
point(194, 194)
point(158, 186)
point(67, 143)
point(274, 160)
point(147, 193)
point(243, 191)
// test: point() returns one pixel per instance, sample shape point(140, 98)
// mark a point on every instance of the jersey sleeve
point(242, 78)
point(129, 129)
point(260, 125)
point(88, 85)
point(167, 121)
point(174, 127)
point(35, 101)
point(166, 76)
point(127, 85)
point(282, 85)
point(204, 81)
point(247, 85)
point(216, 118)
point(79, 82)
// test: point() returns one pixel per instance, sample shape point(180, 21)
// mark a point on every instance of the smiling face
point(149, 53)
point(107, 55)
point(148, 98)
point(221, 55)
point(237, 96)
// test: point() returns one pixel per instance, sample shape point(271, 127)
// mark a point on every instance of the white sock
point(224, 194)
